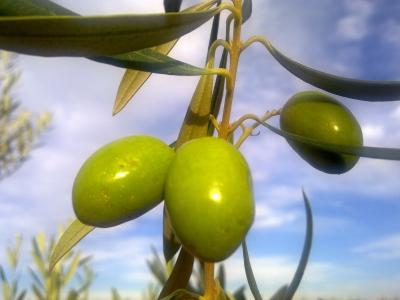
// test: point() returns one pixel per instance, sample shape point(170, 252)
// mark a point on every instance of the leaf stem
point(236, 10)
point(248, 131)
point(257, 38)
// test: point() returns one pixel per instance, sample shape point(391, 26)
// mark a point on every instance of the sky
point(356, 247)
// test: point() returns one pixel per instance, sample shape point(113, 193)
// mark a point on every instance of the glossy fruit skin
point(318, 116)
point(121, 181)
point(209, 198)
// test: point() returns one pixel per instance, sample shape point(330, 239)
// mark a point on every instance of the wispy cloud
point(384, 248)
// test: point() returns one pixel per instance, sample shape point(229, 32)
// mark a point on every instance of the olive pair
point(207, 187)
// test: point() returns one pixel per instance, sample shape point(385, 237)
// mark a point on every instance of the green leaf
point(373, 91)
point(32, 8)
point(38, 294)
point(214, 30)
point(180, 275)
point(95, 35)
point(74, 233)
point(171, 244)
point(221, 275)
point(305, 254)
point(133, 80)
point(72, 267)
point(362, 151)
point(115, 295)
point(198, 114)
point(239, 293)
point(172, 5)
point(218, 93)
point(38, 258)
point(181, 294)
point(219, 291)
point(149, 60)
point(280, 293)
point(36, 279)
point(247, 9)
point(157, 267)
point(249, 273)
point(21, 295)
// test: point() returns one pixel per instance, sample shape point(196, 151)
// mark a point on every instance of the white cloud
point(267, 216)
point(391, 32)
point(384, 248)
point(354, 26)
point(373, 133)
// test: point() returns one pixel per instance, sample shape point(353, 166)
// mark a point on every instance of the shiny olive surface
point(318, 116)
point(209, 198)
point(121, 181)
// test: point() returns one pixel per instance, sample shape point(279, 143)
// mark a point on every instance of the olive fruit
point(320, 117)
point(121, 181)
point(209, 198)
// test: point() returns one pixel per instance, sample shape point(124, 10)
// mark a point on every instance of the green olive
point(320, 117)
point(121, 181)
point(209, 198)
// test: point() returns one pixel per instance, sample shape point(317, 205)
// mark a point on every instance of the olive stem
point(236, 44)
point(249, 131)
point(214, 121)
point(209, 281)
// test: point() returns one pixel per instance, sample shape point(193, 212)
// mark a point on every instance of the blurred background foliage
point(19, 129)
point(48, 285)
point(72, 276)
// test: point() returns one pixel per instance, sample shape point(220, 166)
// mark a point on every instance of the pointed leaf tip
point(291, 290)
point(74, 233)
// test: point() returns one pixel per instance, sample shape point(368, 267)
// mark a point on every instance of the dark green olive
point(320, 117)
point(209, 198)
point(121, 181)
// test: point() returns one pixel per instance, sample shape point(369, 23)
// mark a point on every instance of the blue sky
point(356, 250)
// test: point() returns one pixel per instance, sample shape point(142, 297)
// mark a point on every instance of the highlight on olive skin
point(209, 198)
point(321, 117)
point(121, 181)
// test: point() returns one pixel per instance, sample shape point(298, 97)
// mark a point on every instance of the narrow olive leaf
point(180, 275)
point(36, 279)
point(305, 254)
point(38, 293)
point(197, 116)
point(182, 294)
point(172, 145)
point(171, 244)
point(247, 9)
point(221, 275)
point(172, 5)
point(218, 93)
point(239, 293)
point(74, 233)
point(373, 91)
point(95, 35)
point(149, 60)
point(214, 30)
point(133, 80)
point(249, 273)
point(22, 295)
point(219, 291)
point(280, 293)
point(32, 8)
point(362, 151)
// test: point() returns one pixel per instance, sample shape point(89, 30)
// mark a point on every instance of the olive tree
point(199, 179)
point(19, 130)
